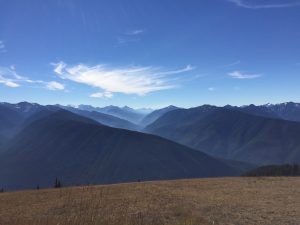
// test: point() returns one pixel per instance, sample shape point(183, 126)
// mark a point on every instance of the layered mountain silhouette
point(25, 109)
point(21, 111)
point(105, 119)
point(84, 145)
point(151, 117)
point(286, 111)
point(13, 117)
point(232, 134)
point(78, 150)
point(125, 113)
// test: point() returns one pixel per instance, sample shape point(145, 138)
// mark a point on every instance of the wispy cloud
point(105, 94)
point(53, 86)
point(242, 75)
point(171, 72)
point(127, 80)
point(130, 36)
point(8, 82)
point(264, 4)
point(135, 32)
point(233, 63)
point(2, 47)
point(10, 78)
point(58, 67)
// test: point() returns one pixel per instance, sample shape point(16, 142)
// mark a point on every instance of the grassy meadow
point(236, 201)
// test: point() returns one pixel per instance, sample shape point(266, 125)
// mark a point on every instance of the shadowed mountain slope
point(125, 113)
point(105, 119)
point(286, 111)
point(14, 117)
point(232, 134)
point(9, 122)
point(151, 117)
point(77, 150)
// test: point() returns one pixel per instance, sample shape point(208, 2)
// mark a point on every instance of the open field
point(238, 201)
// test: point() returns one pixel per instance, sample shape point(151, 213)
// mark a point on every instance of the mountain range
point(126, 113)
point(78, 150)
point(105, 119)
point(232, 134)
point(286, 111)
point(86, 144)
point(154, 115)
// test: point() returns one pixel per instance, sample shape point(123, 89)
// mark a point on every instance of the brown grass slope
point(242, 201)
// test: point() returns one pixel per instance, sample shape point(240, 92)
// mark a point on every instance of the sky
point(154, 53)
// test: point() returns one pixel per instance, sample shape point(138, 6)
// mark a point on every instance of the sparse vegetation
point(57, 183)
point(275, 170)
point(219, 201)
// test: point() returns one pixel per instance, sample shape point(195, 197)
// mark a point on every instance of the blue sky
point(154, 53)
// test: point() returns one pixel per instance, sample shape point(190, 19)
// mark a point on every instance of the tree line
point(275, 170)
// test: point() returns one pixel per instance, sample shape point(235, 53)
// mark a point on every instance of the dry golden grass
point(236, 201)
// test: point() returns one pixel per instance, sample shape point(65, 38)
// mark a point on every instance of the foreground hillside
point(243, 201)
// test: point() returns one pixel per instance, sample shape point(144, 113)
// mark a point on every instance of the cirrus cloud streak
point(267, 5)
point(127, 80)
point(10, 78)
point(242, 75)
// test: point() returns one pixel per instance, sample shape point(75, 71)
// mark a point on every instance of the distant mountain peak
point(171, 107)
point(127, 108)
